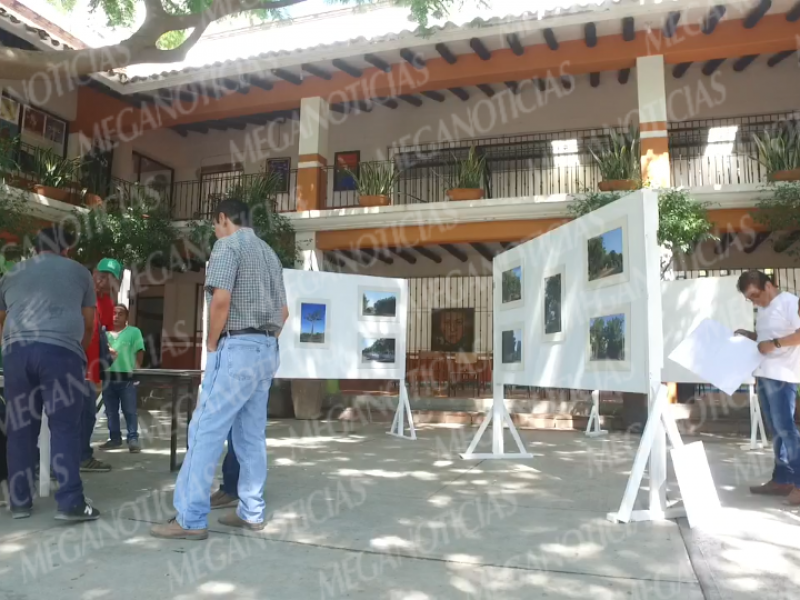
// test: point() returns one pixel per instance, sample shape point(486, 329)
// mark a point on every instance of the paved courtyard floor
point(355, 513)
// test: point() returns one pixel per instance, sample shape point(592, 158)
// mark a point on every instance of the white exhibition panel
point(632, 297)
point(687, 303)
point(347, 330)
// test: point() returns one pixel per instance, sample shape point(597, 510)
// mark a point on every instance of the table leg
point(173, 436)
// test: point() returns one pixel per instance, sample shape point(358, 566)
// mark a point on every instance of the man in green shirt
point(127, 349)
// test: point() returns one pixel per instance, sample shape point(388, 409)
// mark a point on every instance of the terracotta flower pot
point(92, 200)
point(618, 185)
point(67, 195)
point(20, 182)
point(465, 194)
point(790, 175)
point(379, 200)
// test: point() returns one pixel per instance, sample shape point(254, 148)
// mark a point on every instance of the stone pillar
point(308, 257)
point(312, 183)
point(653, 121)
point(122, 161)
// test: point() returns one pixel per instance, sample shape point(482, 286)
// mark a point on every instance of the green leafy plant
point(778, 150)
point(94, 174)
point(467, 173)
point(779, 210)
point(16, 223)
point(622, 159)
point(47, 168)
point(9, 148)
point(375, 178)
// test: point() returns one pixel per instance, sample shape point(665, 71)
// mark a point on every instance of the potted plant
point(466, 178)
point(620, 163)
point(54, 175)
point(95, 179)
point(375, 183)
point(779, 152)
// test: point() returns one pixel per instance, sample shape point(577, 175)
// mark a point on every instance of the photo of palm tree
point(607, 338)
point(379, 304)
point(512, 346)
point(378, 350)
point(313, 325)
point(552, 304)
point(605, 254)
point(512, 285)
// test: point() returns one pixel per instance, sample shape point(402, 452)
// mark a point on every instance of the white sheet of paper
point(715, 354)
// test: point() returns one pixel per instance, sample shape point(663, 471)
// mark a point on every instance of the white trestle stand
point(398, 428)
point(756, 423)
point(500, 419)
point(593, 426)
point(44, 457)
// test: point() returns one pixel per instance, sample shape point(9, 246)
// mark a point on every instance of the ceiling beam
point(744, 62)
point(513, 86)
point(387, 102)
point(478, 48)
point(628, 29)
point(334, 260)
point(566, 82)
point(758, 239)
point(550, 38)
point(755, 15)
point(512, 39)
point(346, 67)
point(460, 93)
point(785, 241)
point(483, 251)
point(508, 245)
point(411, 99)
point(590, 34)
point(794, 14)
point(486, 89)
point(594, 79)
point(712, 65)
point(680, 70)
point(287, 76)
point(412, 58)
point(779, 57)
point(623, 76)
point(429, 254)
point(260, 82)
point(541, 84)
point(446, 54)
point(316, 71)
point(713, 17)
point(405, 255)
point(434, 96)
point(378, 62)
point(671, 24)
point(456, 252)
point(376, 254)
point(353, 257)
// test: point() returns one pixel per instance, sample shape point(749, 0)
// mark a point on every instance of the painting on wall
point(511, 286)
point(378, 352)
point(378, 304)
point(453, 330)
point(280, 167)
point(9, 110)
point(511, 346)
point(553, 306)
point(33, 121)
point(607, 338)
point(314, 315)
point(344, 163)
point(55, 130)
point(606, 254)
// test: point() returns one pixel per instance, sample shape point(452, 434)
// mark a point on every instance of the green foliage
point(622, 159)
point(552, 304)
point(94, 174)
point(511, 286)
point(467, 173)
point(375, 178)
point(780, 211)
point(15, 221)
point(259, 193)
point(46, 167)
point(778, 150)
point(9, 147)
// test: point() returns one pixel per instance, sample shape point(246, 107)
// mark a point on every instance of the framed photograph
point(453, 330)
point(554, 285)
point(344, 162)
point(378, 304)
point(9, 110)
point(314, 316)
point(55, 130)
point(33, 121)
point(609, 340)
point(281, 167)
point(512, 347)
point(511, 283)
point(607, 258)
point(377, 352)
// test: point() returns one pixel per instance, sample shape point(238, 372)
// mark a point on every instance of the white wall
point(59, 100)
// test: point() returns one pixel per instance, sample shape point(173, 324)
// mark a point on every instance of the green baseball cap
point(110, 265)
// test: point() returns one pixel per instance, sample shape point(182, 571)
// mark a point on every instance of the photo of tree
point(512, 285)
point(314, 322)
point(378, 350)
point(512, 346)
point(605, 254)
point(607, 337)
point(552, 304)
point(379, 304)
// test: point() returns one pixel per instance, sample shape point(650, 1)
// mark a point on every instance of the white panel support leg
point(499, 418)
point(399, 422)
point(593, 427)
point(44, 457)
point(756, 423)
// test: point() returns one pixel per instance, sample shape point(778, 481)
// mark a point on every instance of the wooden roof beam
point(671, 24)
point(405, 255)
point(456, 252)
point(486, 89)
point(446, 54)
point(429, 254)
point(512, 39)
point(316, 71)
point(590, 34)
point(755, 15)
point(378, 63)
point(460, 93)
point(346, 67)
point(744, 62)
point(712, 19)
point(478, 48)
point(594, 79)
point(412, 58)
point(484, 251)
point(550, 38)
point(287, 76)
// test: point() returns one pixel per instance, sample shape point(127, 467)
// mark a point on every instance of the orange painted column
point(312, 181)
point(656, 172)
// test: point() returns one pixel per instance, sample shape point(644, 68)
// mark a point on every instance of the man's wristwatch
point(777, 342)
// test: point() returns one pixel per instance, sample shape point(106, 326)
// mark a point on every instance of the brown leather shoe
point(173, 531)
point(772, 488)
point(233, 520)
point(794, 498)
point(220, 499)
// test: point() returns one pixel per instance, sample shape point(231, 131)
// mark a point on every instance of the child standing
point(127, 348)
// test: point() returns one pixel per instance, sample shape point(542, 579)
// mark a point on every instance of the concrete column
point(312, 181)
point(653, 121)
point(122, 162)
point(309, 258)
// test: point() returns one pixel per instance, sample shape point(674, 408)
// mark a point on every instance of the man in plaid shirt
point(247, 309)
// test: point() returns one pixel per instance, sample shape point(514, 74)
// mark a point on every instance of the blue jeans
point(88, 420)
point(44, 376)
point(230, 471)
point(123, 393)
point(233, 401)
point(778, 401)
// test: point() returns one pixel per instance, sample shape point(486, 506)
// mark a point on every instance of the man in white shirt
point(778, 337)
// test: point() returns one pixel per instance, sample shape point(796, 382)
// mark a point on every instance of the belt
point(248, 331)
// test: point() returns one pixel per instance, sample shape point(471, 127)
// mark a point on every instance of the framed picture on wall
point(314, 323)
point(55, 130)
point(344, 163)
point(9, 111)
point(453, 330)
point(609, 339)
point(607, 259)
point(280, 167)
point(377, 304)
point(511, 286)
point(33, 121)
point(554, 285)
point(512, 347)
point(377, 351)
